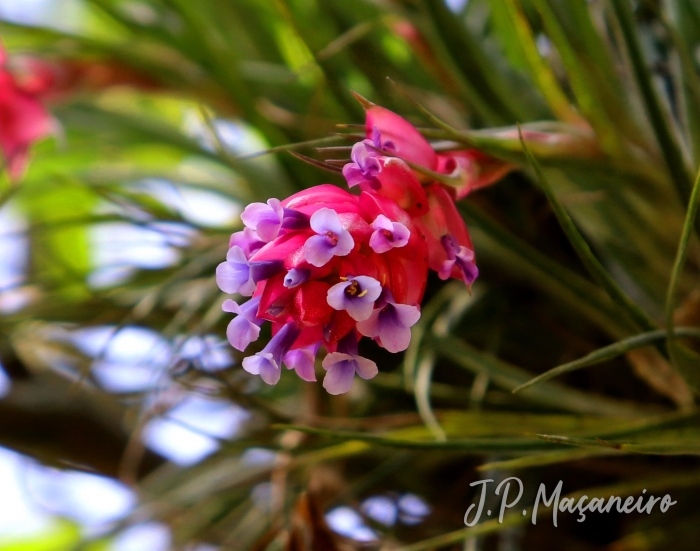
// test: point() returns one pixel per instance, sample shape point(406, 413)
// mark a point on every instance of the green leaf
point(592, 264)
point(540, 70)
point(611, 351)
point(672, 153)
point(509, 377)
point(686, 361)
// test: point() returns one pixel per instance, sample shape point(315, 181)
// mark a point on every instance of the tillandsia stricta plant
point(586, 113)
point(326, 267)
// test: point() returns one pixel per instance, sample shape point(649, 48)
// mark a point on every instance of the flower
point(268, 362)
point(341, 367)
point(245, 327)
point(302, 361)
point(23, 120)
point(264, 218)
point(388, 234)
point(248, 240)
point(469, 168)
point(315, 281)
point(239, 275)
point(331, 239)
point(459, 257)
point(364, 168)
point(326, 267)
point(356, 295)
point(391, 324)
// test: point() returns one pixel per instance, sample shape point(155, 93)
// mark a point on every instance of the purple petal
point(345, 244)
point(265, 219)
point(245, 328)
point(270, 372)
point(360, 154)
point(371, 285)
point(381, 222)
point(370, 326)
point(380, 243)
point(336, 295)
point(458, 255)
point(341, 373)
point(241, 332)
point(394, 336)
point(469, 272)
point(247, 240)
point(325, 220)
point(236, 254)
point(302, 361)
point(388, 235)
point(401, 234)
point(353, 174)
point(235, 277)
point(365, 368)
point(231, 306)
point(407, 315)
point(376, 137)
point(296, 277)
point(252, 363)
point(465, 260)
point(394, 325)
point(318, 250)
point(366, 158)
point(267, 362)
point(359, 310)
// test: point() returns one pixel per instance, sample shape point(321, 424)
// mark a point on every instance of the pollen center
point(353, 289)
point(388, 234)
point(333, 238)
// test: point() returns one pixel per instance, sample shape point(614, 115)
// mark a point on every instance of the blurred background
point(126, 422)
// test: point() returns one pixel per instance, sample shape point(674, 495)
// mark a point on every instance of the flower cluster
point(23, 119)
point(327, 267)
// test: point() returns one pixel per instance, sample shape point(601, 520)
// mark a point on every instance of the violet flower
point(248, 240)
point(267, 363)
point(264, 218)
point(239, 275)
point(365, 166)
point(302, 360)
point(341, 366)
point(296, 277)
point(356, 295)
point(391, 323)
point(387, 235)
point(245, 327)
point(460, 256)
point(377, 142)
point(332, 239)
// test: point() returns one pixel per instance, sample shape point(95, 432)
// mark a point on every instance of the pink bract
point(23, 120)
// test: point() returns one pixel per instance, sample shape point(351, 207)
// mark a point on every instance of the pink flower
point(315, 282)
point(23, 120)
point(327, 268)
point(391, 324)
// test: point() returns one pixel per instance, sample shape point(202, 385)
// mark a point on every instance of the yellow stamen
point(363, 293)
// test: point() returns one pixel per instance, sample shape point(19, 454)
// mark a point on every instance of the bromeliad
point(326, 267)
